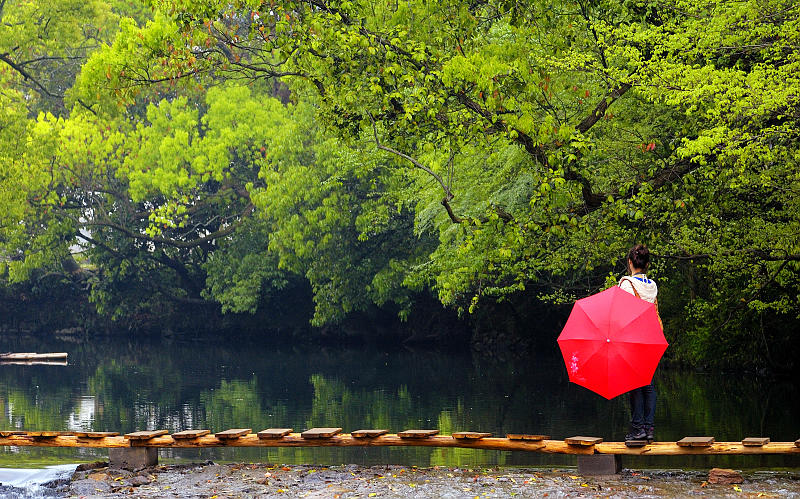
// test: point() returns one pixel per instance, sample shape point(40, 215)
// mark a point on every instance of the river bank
point(209, 480)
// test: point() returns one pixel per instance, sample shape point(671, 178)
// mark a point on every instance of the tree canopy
point(225, 152)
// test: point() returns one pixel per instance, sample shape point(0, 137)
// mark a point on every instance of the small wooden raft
point(32, 356)
point(755, 441)
point(475, 435)
point(417, 433)
point(187, 434)
point(274, 432)
point(583, 441)
point(368, 433)
point(695, 442)
point(96, 434)
point(525, 436)
point(233, 433)
point(320, 432)
point(145, 435)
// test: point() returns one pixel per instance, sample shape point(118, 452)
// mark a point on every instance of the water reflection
point(128, 386)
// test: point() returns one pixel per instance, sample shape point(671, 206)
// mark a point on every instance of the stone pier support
point(600, 464)
point(132, 458)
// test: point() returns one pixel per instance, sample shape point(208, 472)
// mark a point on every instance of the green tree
point(478, 150)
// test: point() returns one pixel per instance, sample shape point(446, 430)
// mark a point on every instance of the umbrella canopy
point(612, 342)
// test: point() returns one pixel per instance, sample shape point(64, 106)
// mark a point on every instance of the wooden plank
point(635, 443)
point(190, 433)
point(695, 441)
point(145, 435)
point(797, 442)
point(417, 433)
point(49, 434)
point(274, 432)
point(57, 362)
point(96, 434)
point(368, 433)
point(525, 436)
point(755, 441)
point(33, 356)
point(320, 432)
point(476, 435)
point(8, 433)
point(584, 441)
point(233, 433)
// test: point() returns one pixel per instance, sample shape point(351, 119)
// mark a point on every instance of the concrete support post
point(132, 458)
point(599, 464)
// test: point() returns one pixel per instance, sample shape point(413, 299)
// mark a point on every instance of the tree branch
point(602, 106)
point(172, 242)
point(27, 76)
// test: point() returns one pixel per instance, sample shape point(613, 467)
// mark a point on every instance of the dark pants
point(643, 406)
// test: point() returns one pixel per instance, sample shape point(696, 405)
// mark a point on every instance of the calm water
point(125, 386)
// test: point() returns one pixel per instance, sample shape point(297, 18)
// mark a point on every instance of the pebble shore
point(217, 481)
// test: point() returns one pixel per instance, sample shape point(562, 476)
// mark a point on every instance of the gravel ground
point(348, 482)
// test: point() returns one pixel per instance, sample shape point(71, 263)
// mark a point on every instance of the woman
point(643, 399)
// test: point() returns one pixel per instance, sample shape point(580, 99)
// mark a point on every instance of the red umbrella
point(612, 342)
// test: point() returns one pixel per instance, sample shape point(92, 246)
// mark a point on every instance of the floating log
point(368, 433)
point(32, 356)
point(145, 435)
point(584, 441)
point(96, 434)
point(233, 433)
point(190, 433)
point(417, 433)
point(755, 441)
point(695, 441)
point(320, 432)
point(476, 435)
point(274, 432)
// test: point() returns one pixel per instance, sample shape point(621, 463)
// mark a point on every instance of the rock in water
point(724, 476)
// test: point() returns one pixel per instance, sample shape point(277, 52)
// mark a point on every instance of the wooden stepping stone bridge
point(146, 443)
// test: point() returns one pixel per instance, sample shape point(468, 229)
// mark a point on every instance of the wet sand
point(351, 481)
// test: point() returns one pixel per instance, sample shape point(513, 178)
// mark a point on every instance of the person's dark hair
point(639, 256)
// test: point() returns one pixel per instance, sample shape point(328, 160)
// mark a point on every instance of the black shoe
point(650, 434)
point(636, 434)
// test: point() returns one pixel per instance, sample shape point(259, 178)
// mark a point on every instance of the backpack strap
point(636, 293)
point(626, 278)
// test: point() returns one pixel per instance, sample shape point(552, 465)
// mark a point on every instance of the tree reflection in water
point(147, 385)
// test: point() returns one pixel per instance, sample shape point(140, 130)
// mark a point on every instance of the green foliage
point(478, 151)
